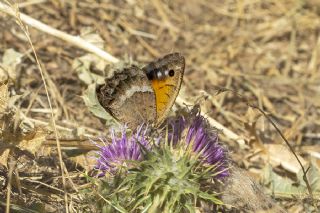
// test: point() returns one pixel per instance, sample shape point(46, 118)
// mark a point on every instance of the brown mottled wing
point(166, 88)
point(128, 97)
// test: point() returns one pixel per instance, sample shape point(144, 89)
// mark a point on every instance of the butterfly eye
point(171, 73)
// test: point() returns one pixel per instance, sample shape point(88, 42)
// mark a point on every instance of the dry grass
point(267, 52)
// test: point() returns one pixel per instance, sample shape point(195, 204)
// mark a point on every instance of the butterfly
point(134, 95)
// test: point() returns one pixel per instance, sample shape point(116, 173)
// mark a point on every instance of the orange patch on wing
point(164, 91)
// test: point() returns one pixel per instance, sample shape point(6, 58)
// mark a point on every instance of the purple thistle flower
point(203, 139)
point(193, 134)
point(122, 151)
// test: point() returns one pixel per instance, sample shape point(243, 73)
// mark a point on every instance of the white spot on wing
point(159, 75)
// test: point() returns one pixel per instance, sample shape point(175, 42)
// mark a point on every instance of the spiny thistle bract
point(173, 174)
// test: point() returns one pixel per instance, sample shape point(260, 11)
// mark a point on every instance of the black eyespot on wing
point(151, 74)
point(171, 73)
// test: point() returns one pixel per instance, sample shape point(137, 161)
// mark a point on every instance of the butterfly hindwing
point(129, 97)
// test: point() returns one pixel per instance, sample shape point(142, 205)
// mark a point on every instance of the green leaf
point(210, 197)
point(164, 195)
point(280, 186)
point(140, 201)
point(313, 176)
point(115, 205)
point(191, 208)
point(147, 206)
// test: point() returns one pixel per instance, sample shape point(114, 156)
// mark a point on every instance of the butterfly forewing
point(166, 76)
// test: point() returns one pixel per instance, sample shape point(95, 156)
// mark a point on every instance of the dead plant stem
point(74, 40)
point(17, 15)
